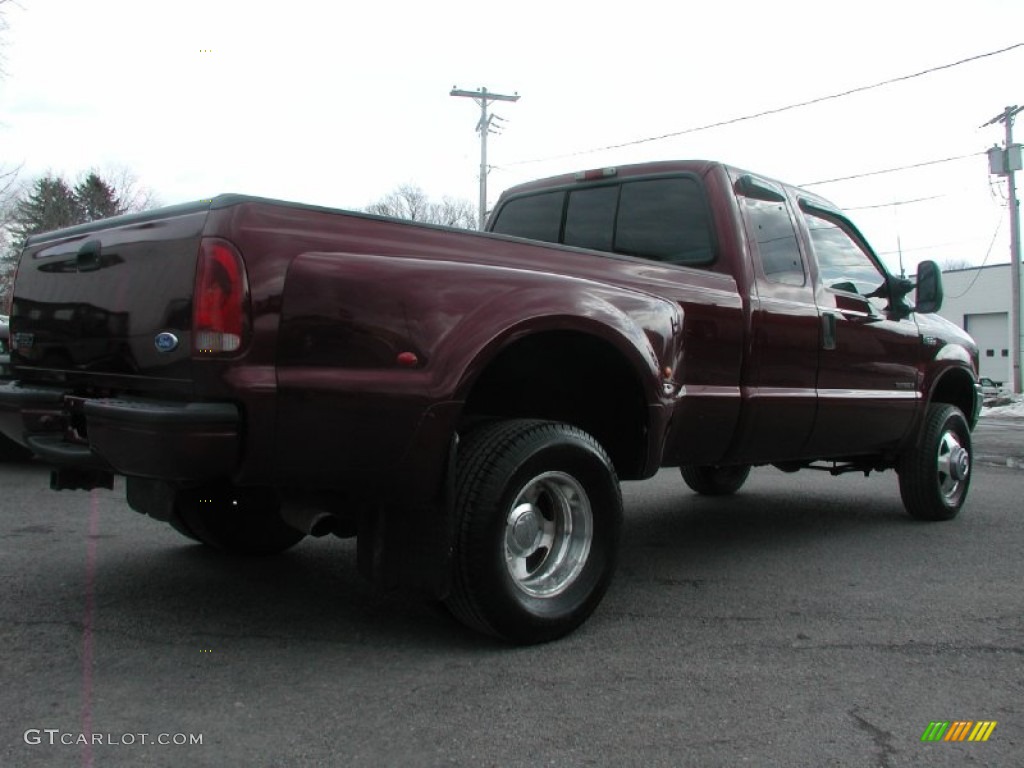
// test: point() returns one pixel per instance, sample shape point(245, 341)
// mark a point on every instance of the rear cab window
point(769, 225)
point(662, 219)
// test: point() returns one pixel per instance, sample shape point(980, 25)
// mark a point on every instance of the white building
point(978, 300)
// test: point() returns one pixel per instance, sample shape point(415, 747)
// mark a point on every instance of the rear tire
point(715, 481)
point(936, 473)
point(538, 514)
point(242, 521)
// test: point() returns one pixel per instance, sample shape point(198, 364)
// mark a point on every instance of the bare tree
point(951, 264)
point(132, 195)
point(3, 29)
point(410, 202)
point(454, 212)
point(9, 191)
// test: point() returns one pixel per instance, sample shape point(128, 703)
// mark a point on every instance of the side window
point(777, 246)
point(843, 263)
point(537, 217)
point(590, 217)
point(664, 220)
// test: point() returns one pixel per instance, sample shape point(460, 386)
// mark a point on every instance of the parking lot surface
point(807, 621)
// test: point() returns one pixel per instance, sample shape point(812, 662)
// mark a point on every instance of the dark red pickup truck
point(466, 403)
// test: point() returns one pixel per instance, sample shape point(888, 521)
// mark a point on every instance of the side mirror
point(929, 287)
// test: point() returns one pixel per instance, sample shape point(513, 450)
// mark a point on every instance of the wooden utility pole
point(483, 97)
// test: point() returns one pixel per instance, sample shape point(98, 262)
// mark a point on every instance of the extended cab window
point(590, 218)
point(844, 264)
point(537, 217)
point(660, 219)
point(776, 241)
point(770, 226)
point(664, 220)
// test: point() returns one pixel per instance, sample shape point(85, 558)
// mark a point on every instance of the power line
point(776, 110)
point(931, 247)
point(897, 202)
point(893, 170)
point(967, 290)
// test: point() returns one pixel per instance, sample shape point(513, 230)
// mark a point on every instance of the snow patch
point(1013, 409)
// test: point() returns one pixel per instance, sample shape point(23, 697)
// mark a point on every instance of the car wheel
point(936, 473)
point(715, 481)
point(243, 521)
point(538, 514)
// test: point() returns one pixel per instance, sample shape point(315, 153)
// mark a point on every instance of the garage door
point(992, 332)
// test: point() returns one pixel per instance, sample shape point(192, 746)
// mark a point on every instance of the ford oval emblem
point(165, 342)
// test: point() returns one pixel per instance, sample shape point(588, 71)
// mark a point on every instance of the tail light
point(220, 316)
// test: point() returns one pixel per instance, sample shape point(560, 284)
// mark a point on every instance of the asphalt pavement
point(807, 621)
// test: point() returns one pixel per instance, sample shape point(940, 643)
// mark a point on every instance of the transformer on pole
point(483, 97)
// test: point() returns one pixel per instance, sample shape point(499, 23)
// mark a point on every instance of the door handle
point(828, 330)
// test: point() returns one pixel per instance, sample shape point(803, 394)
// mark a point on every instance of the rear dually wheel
point(538, 514)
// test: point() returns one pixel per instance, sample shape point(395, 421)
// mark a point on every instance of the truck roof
point(697, 167)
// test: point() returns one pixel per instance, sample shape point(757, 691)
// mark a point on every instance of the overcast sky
point(338, 103)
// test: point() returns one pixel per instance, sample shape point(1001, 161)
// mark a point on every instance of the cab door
point(779, 376)
point(870, 345)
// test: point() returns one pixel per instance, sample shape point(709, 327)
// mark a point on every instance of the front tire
point(538, 514)
point(936, 473)
point(715, 481)
point(241, 521)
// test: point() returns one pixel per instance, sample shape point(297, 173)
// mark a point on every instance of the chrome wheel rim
point(953, 463)
point(548, 533)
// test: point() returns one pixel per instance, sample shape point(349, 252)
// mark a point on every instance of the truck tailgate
point(110, 303)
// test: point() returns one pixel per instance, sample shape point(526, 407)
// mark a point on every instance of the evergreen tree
point(51, 204)
point(97, 199)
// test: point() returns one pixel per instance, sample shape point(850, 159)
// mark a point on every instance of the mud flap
point(410, 547)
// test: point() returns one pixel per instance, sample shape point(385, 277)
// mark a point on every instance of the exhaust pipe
point(312, 521)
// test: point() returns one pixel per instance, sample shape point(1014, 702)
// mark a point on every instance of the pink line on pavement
point(87, 622)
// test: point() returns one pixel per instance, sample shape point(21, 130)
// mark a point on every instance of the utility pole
point(483, 97)
point(1004, 163)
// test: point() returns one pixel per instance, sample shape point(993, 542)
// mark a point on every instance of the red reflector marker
point(408, 359)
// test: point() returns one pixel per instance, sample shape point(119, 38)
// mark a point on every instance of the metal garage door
point(992, 332)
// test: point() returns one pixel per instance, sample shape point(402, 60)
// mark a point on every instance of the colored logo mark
point(958, 730)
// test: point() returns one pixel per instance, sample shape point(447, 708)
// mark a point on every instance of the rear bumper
point(143, 437)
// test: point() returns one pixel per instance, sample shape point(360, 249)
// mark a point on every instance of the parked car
point(5, 351)
point(9, 450)
point(990, 389)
